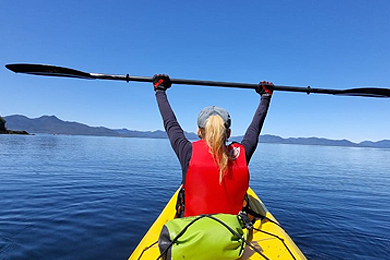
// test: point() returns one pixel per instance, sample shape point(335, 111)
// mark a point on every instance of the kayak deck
point(268, 236)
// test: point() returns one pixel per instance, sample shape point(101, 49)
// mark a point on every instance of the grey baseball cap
point(206, 112)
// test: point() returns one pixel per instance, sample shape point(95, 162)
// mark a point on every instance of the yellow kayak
point(267, 236)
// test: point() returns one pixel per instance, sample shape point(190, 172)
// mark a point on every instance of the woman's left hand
point(161, 81)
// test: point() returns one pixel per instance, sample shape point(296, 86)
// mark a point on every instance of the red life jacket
point(203, 192)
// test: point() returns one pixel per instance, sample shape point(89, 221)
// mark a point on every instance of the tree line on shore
point(4, 130)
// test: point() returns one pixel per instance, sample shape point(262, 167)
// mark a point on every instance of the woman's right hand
point(265, 88)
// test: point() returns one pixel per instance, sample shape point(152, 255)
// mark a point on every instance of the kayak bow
point(268, 236)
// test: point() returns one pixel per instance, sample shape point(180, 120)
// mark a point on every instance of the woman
point(215, 176)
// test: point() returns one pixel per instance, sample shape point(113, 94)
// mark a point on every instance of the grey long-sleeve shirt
point(183, 147)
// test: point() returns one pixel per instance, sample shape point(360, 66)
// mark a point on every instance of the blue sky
point(325, 44)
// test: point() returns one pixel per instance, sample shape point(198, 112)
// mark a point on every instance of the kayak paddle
point(50, 70)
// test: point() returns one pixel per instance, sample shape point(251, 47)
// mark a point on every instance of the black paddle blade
point(365, 92)
point(48, 70)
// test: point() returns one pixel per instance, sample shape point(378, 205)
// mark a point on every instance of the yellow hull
point(272, 241)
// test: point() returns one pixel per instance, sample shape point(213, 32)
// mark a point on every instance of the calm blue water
point(74, 197)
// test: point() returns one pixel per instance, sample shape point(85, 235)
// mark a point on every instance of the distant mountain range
point(53, 125)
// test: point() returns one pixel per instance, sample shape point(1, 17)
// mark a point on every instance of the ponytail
point(215, 135)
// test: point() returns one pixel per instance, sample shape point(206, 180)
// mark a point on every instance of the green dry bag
point(202, 237)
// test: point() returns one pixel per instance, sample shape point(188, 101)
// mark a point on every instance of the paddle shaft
point(128, 78)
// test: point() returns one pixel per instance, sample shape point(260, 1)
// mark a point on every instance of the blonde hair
point(215, 135)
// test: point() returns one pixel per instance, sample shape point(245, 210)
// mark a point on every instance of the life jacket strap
point(180, 206)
